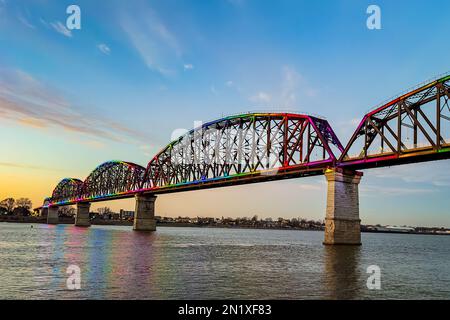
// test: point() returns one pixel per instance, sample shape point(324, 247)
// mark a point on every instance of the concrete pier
point(342, 223)
point(144, 214)
point(82, 217)
point(52, 215)
point(43, 212)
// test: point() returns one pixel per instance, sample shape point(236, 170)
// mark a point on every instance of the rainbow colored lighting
point(317, 167)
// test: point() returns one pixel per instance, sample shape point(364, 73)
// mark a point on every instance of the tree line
point(11, 206)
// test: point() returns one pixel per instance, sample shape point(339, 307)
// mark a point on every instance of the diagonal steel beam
point(416, 122)
point(381, 135)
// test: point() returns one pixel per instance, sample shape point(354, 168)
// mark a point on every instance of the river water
point(213, 263)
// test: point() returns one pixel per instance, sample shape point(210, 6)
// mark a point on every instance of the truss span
point(256, 147)
point(414, 127)
point(249, 147)
point(67, 190)
point(112, 179)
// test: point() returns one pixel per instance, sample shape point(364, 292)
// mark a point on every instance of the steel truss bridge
point(257, 147)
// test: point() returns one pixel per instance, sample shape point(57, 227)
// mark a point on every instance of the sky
point(119, 87)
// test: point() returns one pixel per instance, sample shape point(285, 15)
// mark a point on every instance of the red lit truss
point(259, 147)
point(414, 127)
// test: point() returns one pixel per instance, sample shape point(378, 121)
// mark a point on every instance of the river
point(215, 263)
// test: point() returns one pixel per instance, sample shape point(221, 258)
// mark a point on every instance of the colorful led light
point(318, 165)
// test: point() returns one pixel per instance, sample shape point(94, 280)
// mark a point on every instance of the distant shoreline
point(413, 232)
point(41, 220)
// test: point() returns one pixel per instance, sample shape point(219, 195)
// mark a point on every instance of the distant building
point(395, 229)
point(126, 215)
point(115, 216)
point(165, 219)
point(183, 220)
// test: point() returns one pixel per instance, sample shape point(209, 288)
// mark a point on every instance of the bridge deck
point(388, 159)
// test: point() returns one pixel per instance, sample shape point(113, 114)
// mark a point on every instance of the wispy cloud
point(291, 79)
point(293, 86)
point(345, 128)
point(188, 66)
point(428, 173)
point(27, 166)
point(151, 38)
point(29, 102)
point(303, 185)
point(354, 122)
point(20, 165)
point(61, 28)
point(95, 144)
point(229, 83)
point(261, 97)
point(373, 190)
point(310, 186)
point(104, 48)
point(147, 150)
point(213, 89)
point(31, 122)
point(25, 21)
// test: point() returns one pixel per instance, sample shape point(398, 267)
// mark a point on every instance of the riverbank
point(30, 219)
point(69, 220)
point(100, 222)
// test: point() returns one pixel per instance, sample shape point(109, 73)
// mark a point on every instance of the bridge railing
point(412, 126)
point(410, 89)
point(265, 111)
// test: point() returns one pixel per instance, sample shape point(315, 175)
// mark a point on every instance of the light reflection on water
point(209, 263)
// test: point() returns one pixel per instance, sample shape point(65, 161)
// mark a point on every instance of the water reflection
point(201, 263)
point(142, 265)
point(58, 254)
point(342, 272)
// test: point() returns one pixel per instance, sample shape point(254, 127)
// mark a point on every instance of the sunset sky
point(138, 70)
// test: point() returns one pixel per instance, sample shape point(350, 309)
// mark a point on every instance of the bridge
point(258, 147)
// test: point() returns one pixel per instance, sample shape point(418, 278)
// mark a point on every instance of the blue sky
point(137, 70)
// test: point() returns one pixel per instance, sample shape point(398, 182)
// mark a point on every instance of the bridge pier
point(43, 212)
point(144, 214)
point(52, 215)
point(342, 223)
point(82, 217)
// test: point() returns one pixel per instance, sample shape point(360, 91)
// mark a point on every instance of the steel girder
point(68, 189)
point(258, 147)
point(411, 128)
point(272, 145)
point(47, 202)
point(111, 179)
point(238, 146)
